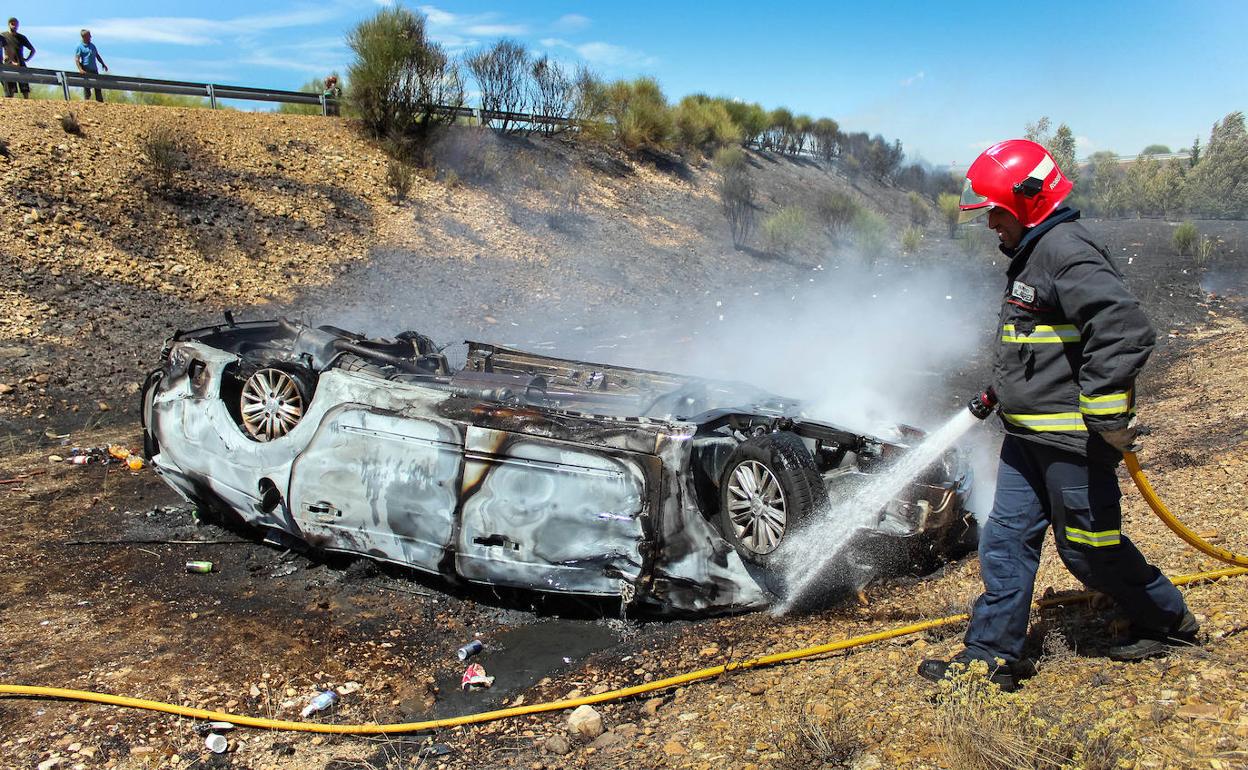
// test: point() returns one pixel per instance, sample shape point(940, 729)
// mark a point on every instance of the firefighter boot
point(1000, 674)
point(1150, 644)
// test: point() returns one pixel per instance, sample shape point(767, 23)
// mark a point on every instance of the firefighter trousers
point(1039, 486)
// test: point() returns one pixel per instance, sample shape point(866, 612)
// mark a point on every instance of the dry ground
point(85, 309)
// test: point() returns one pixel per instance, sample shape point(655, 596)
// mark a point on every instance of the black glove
point(982, 404)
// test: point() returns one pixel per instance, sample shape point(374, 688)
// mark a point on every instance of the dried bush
point(949, 211)
point(920, 213)
point(162, 152)
point(736, 193)
point(399, 177)
point(399, 77)
point(830, 740)
point(1206, 249)
point(1185, 237)
point(837, 211)
point(783, 230)
point(502, 75)
point(911, 237)
point(69, 122)
point(554, 92)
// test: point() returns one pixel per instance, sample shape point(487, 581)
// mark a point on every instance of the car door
point(380, 484)
point(551, 515)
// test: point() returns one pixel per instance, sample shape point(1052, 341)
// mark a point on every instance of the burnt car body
point(515, 469)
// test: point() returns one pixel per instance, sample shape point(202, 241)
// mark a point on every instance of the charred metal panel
point(550, 514)
point(380, 484)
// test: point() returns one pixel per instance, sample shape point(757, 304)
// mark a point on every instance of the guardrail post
point(60, 76)
point(324, 107)
point(212, 96)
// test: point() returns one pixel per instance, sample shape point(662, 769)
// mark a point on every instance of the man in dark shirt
point(15, 46)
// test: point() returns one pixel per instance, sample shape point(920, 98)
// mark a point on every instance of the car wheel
point(274, 400)
point(770, 485)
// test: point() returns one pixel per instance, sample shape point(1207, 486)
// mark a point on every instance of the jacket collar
point(1033, 234)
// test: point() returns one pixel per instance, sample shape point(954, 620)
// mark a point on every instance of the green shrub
point(399, 75)
point(640, 112)
point(399, 178)
point(703, 124)
point(1185, 237)
point(837, 211)
point(911, 237)
point(783, 230)
point(949, 211)
point(736, 192)
point(870, 234)
point(920, 213)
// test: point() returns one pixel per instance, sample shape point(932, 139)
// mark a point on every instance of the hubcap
point(756, 507)
point(271, 404)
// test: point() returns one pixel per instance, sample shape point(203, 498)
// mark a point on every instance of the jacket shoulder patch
point(1024, 292)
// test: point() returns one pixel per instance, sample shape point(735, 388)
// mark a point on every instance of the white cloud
point(1084, 146)
point(181, 30)
point(604, 54)
point(572, 22)
point(915, 78)
point(496, 30)
point(457, 31)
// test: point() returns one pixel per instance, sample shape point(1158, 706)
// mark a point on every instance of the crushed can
point(322, 701)
point(474, 678)
point(470, 649)
point(200, 567)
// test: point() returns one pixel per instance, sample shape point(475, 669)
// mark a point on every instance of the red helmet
point(1017, 175)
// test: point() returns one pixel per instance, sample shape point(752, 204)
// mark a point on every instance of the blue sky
point(945, 78)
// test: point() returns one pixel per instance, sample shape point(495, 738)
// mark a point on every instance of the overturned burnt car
point(515, 469)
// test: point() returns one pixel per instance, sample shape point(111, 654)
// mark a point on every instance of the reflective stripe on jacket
point(1072, 340)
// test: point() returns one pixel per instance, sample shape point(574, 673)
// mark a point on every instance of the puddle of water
point(518, 658)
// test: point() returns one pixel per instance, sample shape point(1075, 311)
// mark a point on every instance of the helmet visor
point(972, 204)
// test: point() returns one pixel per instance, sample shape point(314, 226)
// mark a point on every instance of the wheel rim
point(756, 507)
point(271, 404)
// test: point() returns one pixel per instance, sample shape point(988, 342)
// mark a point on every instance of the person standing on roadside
point(15, 43)
point(89, 61)
point(333, 93)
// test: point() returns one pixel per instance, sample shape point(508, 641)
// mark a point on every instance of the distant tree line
point(399, 71)
point(1211, 183)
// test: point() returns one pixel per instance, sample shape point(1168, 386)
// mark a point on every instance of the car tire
point(274, 399)
point(770, 485)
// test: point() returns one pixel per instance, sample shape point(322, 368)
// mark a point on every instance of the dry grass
point(820, 741)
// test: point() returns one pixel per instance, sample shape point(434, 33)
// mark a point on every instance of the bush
point(736, 193)
point(911, 238)
point(399, 75)
point(399, 178)
point(836, 210)
point(502, 72)
point(782, 230)
point(1184, 240)
point(949, 211)
point(69, 122)
point(554, 91)
point(640, 113)
point(703, 124)
point(162, 151)
point(1206, 249)
point(920, 214)
point(871, 235)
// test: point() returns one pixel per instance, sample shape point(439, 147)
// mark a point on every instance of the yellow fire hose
point(1163, 513)
point(627, 692)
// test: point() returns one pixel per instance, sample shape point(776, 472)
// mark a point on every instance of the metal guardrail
point(214, 91)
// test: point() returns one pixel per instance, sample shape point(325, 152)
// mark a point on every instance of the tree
point(400, 79)
point(1155, 149)
point(1106, 184)
point(1218, 185)
point(554, 91)
point(826, 134)
point(1192, 161)
point(1060, 144)
point(502, 75)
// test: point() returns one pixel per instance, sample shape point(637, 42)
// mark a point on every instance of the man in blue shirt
point(89, 61)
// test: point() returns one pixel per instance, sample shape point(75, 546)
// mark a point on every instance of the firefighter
point(1072, 340)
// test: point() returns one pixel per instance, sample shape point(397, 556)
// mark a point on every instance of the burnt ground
point(641, 274)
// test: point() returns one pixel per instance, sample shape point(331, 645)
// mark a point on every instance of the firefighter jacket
point(1072, 340)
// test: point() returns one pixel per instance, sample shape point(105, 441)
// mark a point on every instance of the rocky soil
point(525, 241)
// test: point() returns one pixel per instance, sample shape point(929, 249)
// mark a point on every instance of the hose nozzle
point(983, 403)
